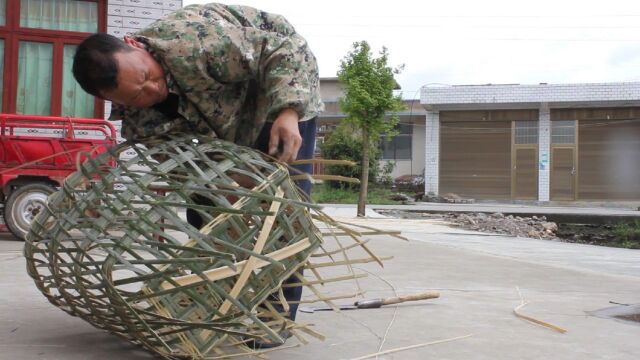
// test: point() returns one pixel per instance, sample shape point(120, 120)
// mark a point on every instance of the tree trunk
point(364, 177)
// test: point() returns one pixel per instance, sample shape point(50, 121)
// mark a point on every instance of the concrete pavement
point(576, 209)
point(569, 213)
point(477, 275)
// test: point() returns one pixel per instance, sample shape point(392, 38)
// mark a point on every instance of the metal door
point(563, 173)
point(525, 173)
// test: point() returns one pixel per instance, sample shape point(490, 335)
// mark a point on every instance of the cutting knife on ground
point(374, 303)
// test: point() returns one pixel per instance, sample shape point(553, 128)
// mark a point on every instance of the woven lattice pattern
point(114, 246)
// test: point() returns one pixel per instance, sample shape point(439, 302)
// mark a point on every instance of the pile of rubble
point(534, 227)
point(449, 198)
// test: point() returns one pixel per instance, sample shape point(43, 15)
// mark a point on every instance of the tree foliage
point(368, 84)
point(368, 90)
point(343, 143)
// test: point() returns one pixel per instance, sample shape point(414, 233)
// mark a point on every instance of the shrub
point(385, 177)
point(343, 143)
point(628, 234)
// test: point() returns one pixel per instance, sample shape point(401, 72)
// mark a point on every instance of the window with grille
point(526, 132)
point(3, 12)
point(75, 101)
point(66, 15)
point(41, 36)
point(35, 61)
point(563, 132)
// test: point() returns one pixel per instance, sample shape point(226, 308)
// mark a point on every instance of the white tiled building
point(128, 16)
point(534, 142)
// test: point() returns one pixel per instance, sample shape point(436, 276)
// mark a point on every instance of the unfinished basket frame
point(113, 247)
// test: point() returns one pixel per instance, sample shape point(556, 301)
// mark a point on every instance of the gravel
point(533, 227)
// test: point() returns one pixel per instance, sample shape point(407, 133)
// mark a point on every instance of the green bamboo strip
point(346, 262)
point(325, 280)
point(252, 263)
point(336, 251)
point(327, 177)
point(323, 161)
point(327, 299)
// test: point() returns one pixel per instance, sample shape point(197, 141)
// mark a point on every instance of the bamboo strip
point(328, 220)
point(326, 177)
point(346, 258)
point(309, 331)
point(252, 352)
point(523, 303)
point(325, 280)
point(346, 262)
point(226, 272)
point(374, 230)
point(50, 156)
point(319, 295)
point(329, 298)
point(411, 347)
point(333, 252)
point(517, 312)
point(366, 233)
point(323, 161)
point(283, 300)
point(252, 262)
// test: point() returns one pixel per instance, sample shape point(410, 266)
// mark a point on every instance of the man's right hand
point(285, 130)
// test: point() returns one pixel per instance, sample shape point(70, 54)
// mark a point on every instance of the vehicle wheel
point(22, 206)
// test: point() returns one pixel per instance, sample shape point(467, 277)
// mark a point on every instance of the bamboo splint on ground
point(115, 248)
point(517, 312)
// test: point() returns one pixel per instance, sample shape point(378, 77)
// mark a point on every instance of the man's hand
point(285, 130)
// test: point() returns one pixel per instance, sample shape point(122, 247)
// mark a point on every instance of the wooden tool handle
point(415, 297)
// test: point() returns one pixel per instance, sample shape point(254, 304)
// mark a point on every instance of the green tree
point(368, 84)
point(343, 143)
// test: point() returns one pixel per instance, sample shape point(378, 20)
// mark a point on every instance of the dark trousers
point(308, 133)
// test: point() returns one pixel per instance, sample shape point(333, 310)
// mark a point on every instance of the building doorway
point(525, 173)
point(524, 160)
point(564, 165)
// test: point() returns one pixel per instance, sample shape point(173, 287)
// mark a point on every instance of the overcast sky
point(474, 42)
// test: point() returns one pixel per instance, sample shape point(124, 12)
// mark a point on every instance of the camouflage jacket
point(233, 68)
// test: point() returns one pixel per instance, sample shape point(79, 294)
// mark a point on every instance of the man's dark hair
point(94, 65)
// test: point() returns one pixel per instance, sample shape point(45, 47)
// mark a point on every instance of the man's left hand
point(285, 130)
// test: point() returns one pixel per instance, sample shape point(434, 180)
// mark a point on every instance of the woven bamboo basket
point(114, 247)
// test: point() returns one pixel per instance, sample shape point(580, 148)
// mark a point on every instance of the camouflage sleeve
point(289, 77)
point(244, 44)
point(117, 112)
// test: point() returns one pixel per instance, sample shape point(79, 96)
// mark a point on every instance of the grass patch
point(628, 234)
point(377, 195)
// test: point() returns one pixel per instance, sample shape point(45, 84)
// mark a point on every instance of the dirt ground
point(537, 227)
